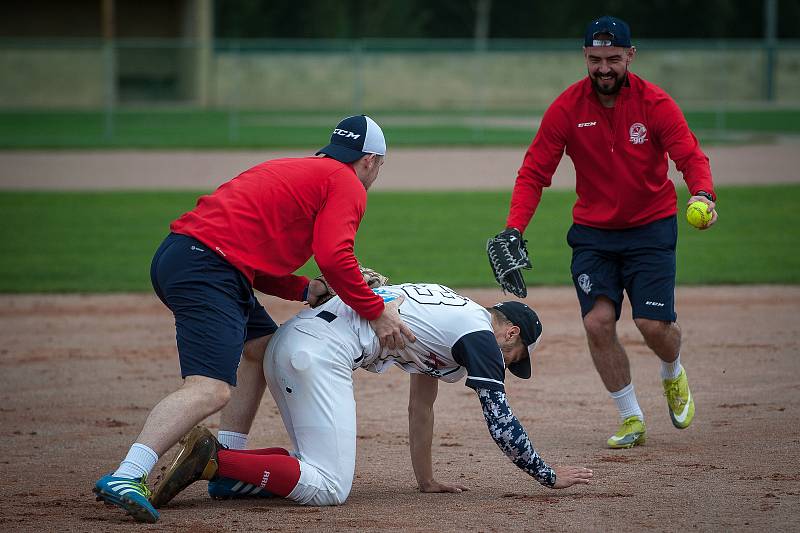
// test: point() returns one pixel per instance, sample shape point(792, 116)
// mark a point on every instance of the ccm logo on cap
point(347, 134)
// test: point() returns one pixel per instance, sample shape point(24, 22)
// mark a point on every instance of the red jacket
point(269, 220)
point(620, 156)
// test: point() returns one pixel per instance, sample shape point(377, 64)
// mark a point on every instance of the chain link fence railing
point(473, 79)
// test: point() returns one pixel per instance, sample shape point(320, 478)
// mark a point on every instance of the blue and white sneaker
point(224, 488)
point(129, 494)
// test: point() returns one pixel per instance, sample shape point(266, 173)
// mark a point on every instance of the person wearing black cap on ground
point(618, 129)
point(254, 231)
point(309, 366)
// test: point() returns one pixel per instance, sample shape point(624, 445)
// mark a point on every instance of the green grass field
point(103, 242)
point(250, 129)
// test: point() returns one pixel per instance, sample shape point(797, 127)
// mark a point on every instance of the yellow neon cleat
point(679, 400)
point(630, 433)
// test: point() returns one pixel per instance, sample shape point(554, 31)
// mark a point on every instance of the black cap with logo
point(616, 29)
point(530, 330)
point(353, 138)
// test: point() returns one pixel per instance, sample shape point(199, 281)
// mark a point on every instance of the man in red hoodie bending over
point(253, 232)
point(618, 130)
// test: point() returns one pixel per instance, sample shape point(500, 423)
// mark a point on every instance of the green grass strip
point(103, 241)
point(306, 130)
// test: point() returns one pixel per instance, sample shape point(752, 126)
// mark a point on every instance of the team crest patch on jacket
point(585, 283)
point(638, 133)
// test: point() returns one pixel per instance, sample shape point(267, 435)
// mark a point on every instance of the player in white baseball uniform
point(309, 365)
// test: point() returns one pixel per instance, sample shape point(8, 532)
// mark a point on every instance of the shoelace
point(504, 263)
point(142, 486)
point(630, 423)
point(673, 394)
point(495, 262)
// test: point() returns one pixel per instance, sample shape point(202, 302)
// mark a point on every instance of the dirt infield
point(80, 374)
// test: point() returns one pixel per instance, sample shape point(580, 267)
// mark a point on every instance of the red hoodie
point(620, 156)
point(269, 220)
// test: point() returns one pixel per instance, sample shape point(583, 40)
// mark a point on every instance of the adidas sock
point(277, 474)
point(139, 462)
point(232, 440)
point(627, 405)
point(671, 370)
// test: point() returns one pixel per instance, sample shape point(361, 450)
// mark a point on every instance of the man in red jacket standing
point(618, 130)
point(253, 232)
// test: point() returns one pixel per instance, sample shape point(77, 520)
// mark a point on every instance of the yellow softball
point(697, 214)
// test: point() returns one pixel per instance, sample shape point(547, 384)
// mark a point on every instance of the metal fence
point(481, 78)
point(386, 74)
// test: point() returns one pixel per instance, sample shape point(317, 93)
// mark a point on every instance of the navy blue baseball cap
point(530, 330)
point(353, 138)
point(617, 29)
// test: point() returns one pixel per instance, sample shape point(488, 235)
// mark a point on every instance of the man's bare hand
point(437, 486)
point(390, 328)
point(566, 476)
point(316, 289)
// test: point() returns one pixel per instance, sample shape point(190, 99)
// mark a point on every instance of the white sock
point(232, 440)
point(627, 405)
point(671, 370)
point(139, 462)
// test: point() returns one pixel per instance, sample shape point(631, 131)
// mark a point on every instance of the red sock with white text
point(276, 473)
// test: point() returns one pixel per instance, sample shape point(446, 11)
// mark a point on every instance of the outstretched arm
point(422, 394)
point(512, 438)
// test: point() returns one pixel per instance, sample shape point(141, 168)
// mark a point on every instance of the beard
point(615, 87)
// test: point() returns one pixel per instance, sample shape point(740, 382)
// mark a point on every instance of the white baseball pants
point(309, 370)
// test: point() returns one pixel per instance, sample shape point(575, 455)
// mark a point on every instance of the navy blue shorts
point(214, 306)
point(640, 261)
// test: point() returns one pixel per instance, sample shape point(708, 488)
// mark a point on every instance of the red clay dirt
point(80, 373)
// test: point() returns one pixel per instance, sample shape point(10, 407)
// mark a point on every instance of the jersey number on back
point(434, 295)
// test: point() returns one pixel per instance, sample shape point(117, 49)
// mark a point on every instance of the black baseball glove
point(507, 256)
